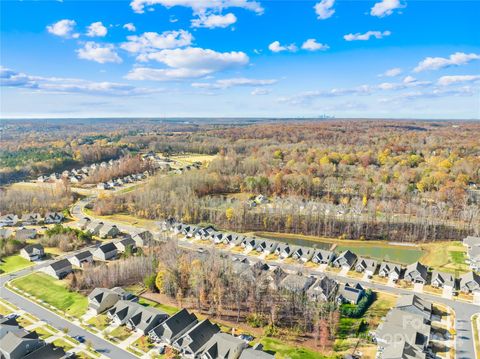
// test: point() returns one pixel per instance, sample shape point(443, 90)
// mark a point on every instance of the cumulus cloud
point(277, 47)
point(436, 63)
point(199, 6)
point(386, 7)
point(407, 82)
point(227, 83)
point(313, 45)
point(392, 72)
point(324, 9)
point(153, 41)
point(260, 92)
point(457, 79)
point(11, 78)
point(186, 63)
point(96, 29)
point(63, 28)
point(212, 21)
point(101, 53)
point(130, 27)
point(367, 35)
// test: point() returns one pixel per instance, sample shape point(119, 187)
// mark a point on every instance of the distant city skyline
point(240, 58)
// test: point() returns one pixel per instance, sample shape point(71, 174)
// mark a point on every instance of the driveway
point(447, 292)
point(418, 287)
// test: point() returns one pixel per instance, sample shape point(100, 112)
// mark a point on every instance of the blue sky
point(240, 58)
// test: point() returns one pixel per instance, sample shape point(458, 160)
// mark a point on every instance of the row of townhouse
point(183, 331)
point(118, 182)
point(18, 343)
point(20, 234)
point(473, 252)
point(10, 219)
point(405, 332)
point(413, 273)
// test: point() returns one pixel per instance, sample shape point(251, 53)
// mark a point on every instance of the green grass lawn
point(42, 333)
point(121, 333)
point(4, 310)
point(100, 321)
point(13, 263)
point(285, 351)
point(163, 307)
point(53, 292)
point(62, 344)
point(143, 344)
point(445, 256)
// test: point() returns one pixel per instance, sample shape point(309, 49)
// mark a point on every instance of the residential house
point(297, 282)
point(32, 252)
point(470, 282)
point(54, 218)
point(18, 343)
point(414, 304)
point(256, 352)
point(174, 327)
point(122, 311)
point(102, 299)
point(143, 239)
point(94, 227)
point(192, 342)
point(416, 273)
point(5, 233)
point(124, 243)
point(324, 289)
point(108, 231)
point(223, 346)
point(25, 233)
point(81, 259)
point(9, 220)
point(366, 265)
point(145, 319)
point(31, 219)
point(307, 254)
point(442, 280)
point(350, 293)
point(345, 260)
point(323, 257)
point(105, 252)
point(266, 246)
point(250, 244)
point(473, 252)
point(390, 270)
point(284, 250)
point(59, 269)
point(83, 223)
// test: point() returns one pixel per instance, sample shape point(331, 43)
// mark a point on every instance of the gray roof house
point(18, 345)
point(59, 269)
point(366, 265)
point(350, 293)
point(442, 279)
point(31, 218)
point(122, 311)
point(9, 220)
point(266, 246)
point(323, 257)
point(81, 259)
point(143, 239)
point(255, 352)
point(94, 227)
point(192, 342)
point(83, 223)
point(32, 252)
point(471, 241)
point(415, 305)
point(284, 250)
point(416, 273)
point(105, 252)
point(323, 289)
point(54, 217)
point(307, 254)
point(174, 327)
point(108, 231)
point(390, 270)
point(145, 319)
point(474, 257)
point(124, 243)
point(25, 233)
point(102, 299)
point(223, 346)
point(297, 283)
point(470, 282)
point(346, 260)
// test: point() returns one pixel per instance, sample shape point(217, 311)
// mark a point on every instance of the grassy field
point(100, 321)
point(286, 351)
point(126, 219)
point(142, 344)
point(163, 307)
point(63, 344)
point(13, 263)
point(445, 256)
point(121, 333)
point(53, 292)
point(42, 333)
point(190, 158)
point(4, 310)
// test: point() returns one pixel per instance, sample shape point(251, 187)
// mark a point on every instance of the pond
point(401, 255)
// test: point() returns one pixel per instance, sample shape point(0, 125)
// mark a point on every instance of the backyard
point(13, 263)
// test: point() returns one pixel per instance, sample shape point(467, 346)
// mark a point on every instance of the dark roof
point(201, 333)
point(48, 351)
point(62, 263)
point(107, 247)
point(31, 247)
point(177, 322)
point(83, 255)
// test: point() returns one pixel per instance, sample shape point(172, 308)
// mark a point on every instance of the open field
point(445, 256)
point(169, 309)
point(13, 263)
point(99, 321)
point(53, 292)
point(126, 219)
point(283, 350)
point(120, 333)
point(190, 158)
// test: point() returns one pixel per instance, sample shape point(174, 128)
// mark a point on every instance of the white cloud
point(260, 92)
point(391, 72)
point(63, 28)
point(186, 63)
point(386, 7)
point(212, 21)
point(367, 35)
point(436, 63)
point(450, 80)
point(240, 81)
point(409, 79)
point(313, 45)
point(11, 78)
point(130, 27)
point(99, 53)
point(152, 41)
point(276, 47)
point(324, 9)
point(199, 6)
point(407, 82)
point(96, 29)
